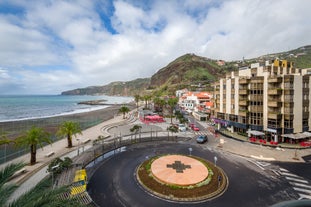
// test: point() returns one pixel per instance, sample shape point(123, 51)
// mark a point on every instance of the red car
point(195, 128)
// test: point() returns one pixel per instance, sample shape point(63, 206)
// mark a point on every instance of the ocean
point(23, 107)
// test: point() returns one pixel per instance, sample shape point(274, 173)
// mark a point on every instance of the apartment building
point(270, 99)
point(195, 101)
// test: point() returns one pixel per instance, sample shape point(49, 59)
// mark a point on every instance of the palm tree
point(171, 102)
point(172, 129)
point(69, 129)
point(32, 138)
point(124, 110)
point(4, 139)
point(136, 128)
point(146, 98)
point(6, 189)
point(158, 104)
point(137, 98)
point(42, 195)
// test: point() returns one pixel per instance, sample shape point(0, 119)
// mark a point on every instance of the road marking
point(304, 196)
point(297, 180)
point(300, 185)
point(264, 164)
point(302, 190)
point(284, 170)
point(290, 174)
point(276, 172)
point(254, 162)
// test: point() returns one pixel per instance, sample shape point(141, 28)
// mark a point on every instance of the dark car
point(202, 139)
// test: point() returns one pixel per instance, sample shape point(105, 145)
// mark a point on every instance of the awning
point(256, 133)
point(297, 136)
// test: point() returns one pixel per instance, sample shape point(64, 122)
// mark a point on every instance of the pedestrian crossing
point(204, 132)
point(299, 184)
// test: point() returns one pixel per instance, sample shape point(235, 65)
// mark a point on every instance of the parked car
point(195, 128)
point(191, 125)
point(182, 128)
point(202, 139)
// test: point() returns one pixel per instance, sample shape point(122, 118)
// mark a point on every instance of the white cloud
point(135, 40)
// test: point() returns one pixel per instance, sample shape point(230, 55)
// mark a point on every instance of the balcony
point(256, 109)
point(288, 100)
point(288, 116)
point(256, 97)
point(243, 113)
point(243, 102)
point(274, 103)
point(275, 80)
point(274, 115)
point(243, 91)
point(277, 91)
point(243, 81)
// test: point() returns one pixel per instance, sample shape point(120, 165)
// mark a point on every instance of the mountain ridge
point(189, 70)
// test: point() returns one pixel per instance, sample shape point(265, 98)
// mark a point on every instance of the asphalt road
point(250, 183)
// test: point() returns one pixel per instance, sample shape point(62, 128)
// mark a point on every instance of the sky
point(50, 46)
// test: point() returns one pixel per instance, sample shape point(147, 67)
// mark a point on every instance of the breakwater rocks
point(95, 102)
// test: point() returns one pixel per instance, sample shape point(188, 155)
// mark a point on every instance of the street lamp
point(215, 160)
point(190, 150)
point(78, 145)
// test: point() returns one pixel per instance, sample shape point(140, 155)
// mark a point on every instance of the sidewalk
point(35, 173)
point(241, 146)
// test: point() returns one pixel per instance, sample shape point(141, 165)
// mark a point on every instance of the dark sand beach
point(12, 129)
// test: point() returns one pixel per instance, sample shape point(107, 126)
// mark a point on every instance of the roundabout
point(117, 180)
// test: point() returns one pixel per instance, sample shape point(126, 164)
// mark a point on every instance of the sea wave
point(76, 111)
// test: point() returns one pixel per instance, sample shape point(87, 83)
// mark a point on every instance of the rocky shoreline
point(98, 103)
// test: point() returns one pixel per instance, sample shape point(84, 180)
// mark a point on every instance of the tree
point(136, 128)
point(146, 98)
point(33, 138)
point(4, 139)
point(158, 104)
point(6, 189)
point(42, 195)
point(137, 98)
point(171, 102)
point(61, 165)
point(124, 110)
point(173, 129)
point(69, 129)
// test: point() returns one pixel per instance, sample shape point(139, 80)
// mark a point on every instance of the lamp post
point(190, 150)
point(78, 145)
point(215, 160)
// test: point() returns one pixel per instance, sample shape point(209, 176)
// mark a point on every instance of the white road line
point(302, 190)
point(297, 180)
point(291, 175)
point(264, 164)
point(300, 185)
point(283, 170)
point(304, 196)
point(276, 172)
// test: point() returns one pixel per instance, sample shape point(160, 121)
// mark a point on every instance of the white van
point(182, 128)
